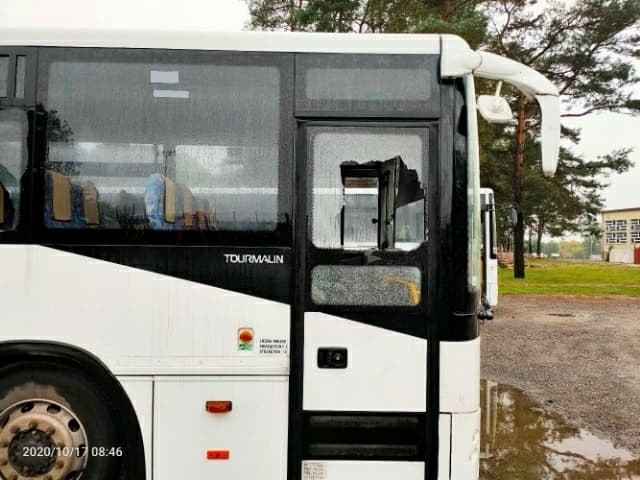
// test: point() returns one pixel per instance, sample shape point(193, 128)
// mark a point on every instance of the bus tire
point(56, 423)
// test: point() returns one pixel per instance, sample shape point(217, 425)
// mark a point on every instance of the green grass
point(551, 277)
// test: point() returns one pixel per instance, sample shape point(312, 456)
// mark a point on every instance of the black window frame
point(281, 236)
point(13, 53)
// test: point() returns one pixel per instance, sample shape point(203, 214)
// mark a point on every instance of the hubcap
point(41, 440)
point(22, 449)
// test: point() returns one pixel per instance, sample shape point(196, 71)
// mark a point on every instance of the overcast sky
point(600, 133)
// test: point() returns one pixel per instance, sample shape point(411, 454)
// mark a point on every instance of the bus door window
point(367, 199)
point(370, 285)
point(361, 174)
point(13, 135)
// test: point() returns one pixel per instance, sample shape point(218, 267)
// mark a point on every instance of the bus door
point(362, 323)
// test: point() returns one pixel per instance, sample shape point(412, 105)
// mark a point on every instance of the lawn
point(547, 277)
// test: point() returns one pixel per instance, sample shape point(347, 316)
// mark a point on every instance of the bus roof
point(301, 42)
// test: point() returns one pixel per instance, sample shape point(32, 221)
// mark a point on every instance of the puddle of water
point(521, 440)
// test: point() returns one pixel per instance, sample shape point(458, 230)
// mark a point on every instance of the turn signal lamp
point(218, 454)
point(218, 406)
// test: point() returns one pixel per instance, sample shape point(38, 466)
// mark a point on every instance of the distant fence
point(505, 259)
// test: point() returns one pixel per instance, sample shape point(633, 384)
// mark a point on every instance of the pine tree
point(584, 49)
point(371, 16)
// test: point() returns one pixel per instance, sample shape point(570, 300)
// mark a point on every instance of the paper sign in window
point(171, 93)
point(158, 76)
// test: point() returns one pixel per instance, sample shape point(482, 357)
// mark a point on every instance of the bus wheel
point(56, 424)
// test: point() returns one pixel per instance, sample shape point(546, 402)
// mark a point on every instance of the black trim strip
point(364, 436)
point(461, 321)
point(298, 286)
point(205, 265)
point(438, 274)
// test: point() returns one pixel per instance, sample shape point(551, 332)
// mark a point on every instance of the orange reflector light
point(218, 454)
point(218, 406)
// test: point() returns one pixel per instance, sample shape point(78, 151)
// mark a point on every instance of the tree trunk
point(446, 10)
point(292, 11)
point(530, 243)
point(539, 240)
point(518, 179)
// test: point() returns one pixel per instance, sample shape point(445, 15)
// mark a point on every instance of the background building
point(621, 235)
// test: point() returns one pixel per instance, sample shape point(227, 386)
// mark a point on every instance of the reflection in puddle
point(523, 441)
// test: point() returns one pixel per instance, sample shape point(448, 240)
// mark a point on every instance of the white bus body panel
point(460, 378)
point(386, 370)
point(189, 39)
point(254, 431)
point(135, 321)
point(140, 392)
point(356, 470)
point(444, 446)
point(465, 445)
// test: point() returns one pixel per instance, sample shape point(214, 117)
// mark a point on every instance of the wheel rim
point(41, 440)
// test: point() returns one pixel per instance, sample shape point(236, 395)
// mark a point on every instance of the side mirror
point(549, 132)
point(495, 109)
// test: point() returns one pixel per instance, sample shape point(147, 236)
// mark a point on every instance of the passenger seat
point(160, 202)
point(90, 205)
point(62, 202)
point(188, 208)
point(205, 218)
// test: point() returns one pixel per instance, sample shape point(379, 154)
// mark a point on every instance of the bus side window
point(215, 137)
point(13, 132)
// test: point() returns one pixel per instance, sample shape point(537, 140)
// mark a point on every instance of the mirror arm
point(498, 88)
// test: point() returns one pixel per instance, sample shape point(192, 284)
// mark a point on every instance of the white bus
point(238, 256)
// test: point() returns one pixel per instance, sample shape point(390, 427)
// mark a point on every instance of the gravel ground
point(579, 356)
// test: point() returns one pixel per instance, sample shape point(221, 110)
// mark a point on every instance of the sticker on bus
point(274, 346)
point(314, 470)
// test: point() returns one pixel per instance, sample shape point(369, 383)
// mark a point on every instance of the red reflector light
point(245, 336)
point(218, 454)
point(219, 406)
